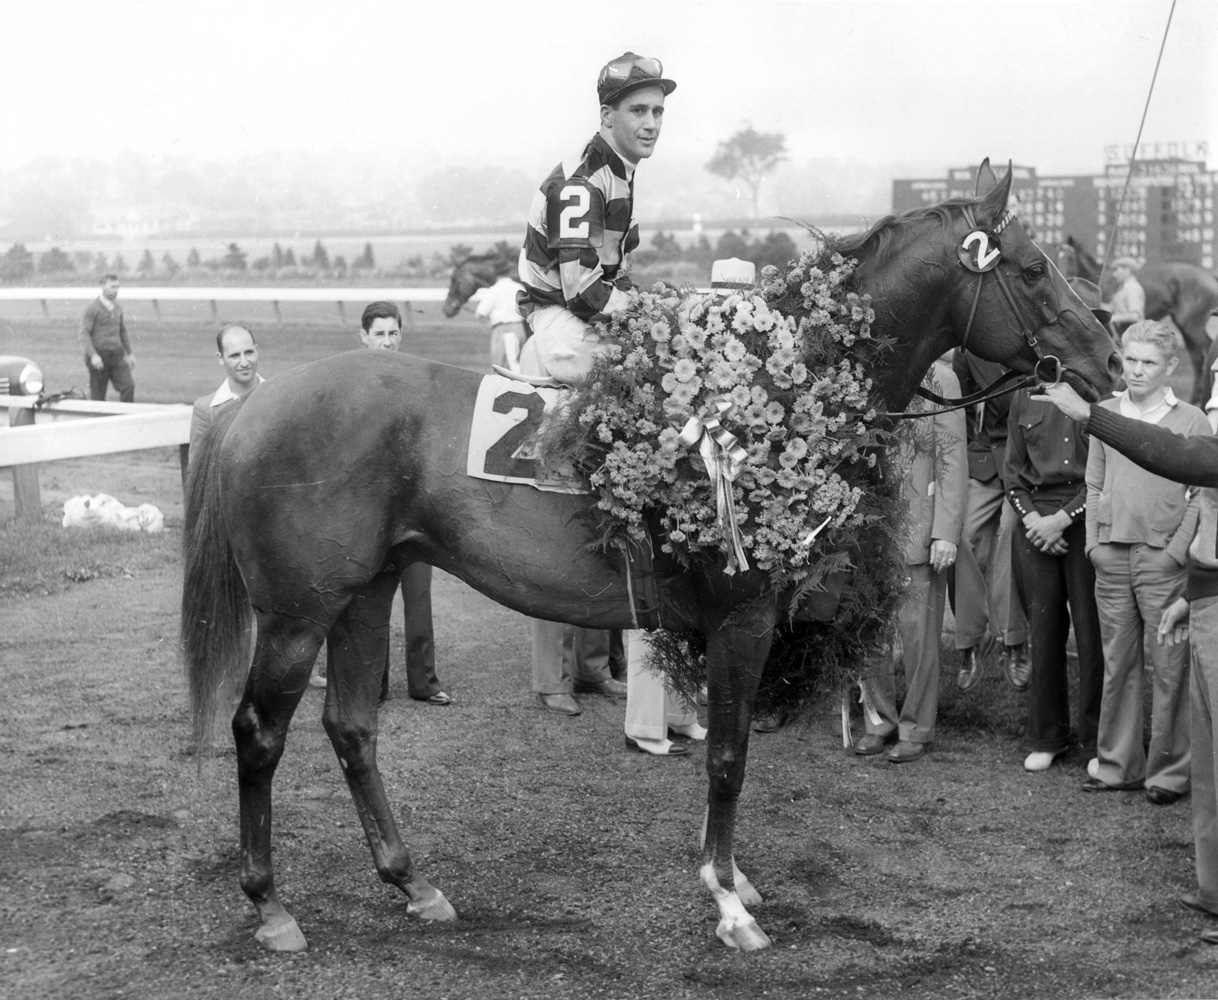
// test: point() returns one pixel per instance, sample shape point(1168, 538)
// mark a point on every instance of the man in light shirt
point(500, 307)
point(1129, 300)
point(1139, 527)
point(238, 356)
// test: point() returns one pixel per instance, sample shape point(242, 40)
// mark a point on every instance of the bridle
point(980, 252)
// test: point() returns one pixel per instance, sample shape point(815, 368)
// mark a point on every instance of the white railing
point(156, 294)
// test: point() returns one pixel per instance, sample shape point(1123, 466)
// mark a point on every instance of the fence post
point(27, 496)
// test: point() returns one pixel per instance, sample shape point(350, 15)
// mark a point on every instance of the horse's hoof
point(433, 908)
point(281, 934)
point(743, 937)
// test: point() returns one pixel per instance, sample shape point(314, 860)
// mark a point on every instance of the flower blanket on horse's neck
point(757, 401)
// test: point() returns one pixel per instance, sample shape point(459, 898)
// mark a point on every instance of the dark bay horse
point(1185, 292)
point(304, 500)
point(478, 271)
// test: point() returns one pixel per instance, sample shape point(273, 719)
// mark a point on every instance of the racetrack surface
point(571, 862)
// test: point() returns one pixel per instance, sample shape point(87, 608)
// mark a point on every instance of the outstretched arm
point(1189, 460)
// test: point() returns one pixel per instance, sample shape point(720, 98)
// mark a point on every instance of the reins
point(984, 260)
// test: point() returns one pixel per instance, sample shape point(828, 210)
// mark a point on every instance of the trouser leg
point(550, 675)
point(1119, 738)
point(421, 680)
point(1203, 687)
point(1008, 608)
point(590, 654)
point(920, 626)
point(1041, 579)
point(1080, 588)
point(1158, 581)
point(99, 381)
point(973, 559)
point(123, 380)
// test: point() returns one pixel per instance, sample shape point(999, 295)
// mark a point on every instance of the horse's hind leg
point(277, 679)
point(736, 655)
point(359, 643)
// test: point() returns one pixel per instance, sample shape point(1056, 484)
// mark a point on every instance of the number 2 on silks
point(501, 457)
point(980, 251)
point(572, 219)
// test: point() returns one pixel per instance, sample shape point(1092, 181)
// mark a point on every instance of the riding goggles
point(628, 72)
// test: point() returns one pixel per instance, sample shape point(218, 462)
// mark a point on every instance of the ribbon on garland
point(724, 459)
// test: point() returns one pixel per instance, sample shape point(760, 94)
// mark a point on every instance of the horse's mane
point(881, 232)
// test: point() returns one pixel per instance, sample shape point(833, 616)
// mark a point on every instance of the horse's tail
point(216, 614)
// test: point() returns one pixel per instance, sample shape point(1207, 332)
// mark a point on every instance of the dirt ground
point(571, 862)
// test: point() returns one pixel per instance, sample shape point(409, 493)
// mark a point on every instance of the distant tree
point(17, 264)
point(147, 265)
point(732, 244)
point(193, 259)
point(289, 258)
point(118, 265)
point(701, 252)
point(55, 261)
point(666, 246)
point(277, 256)
point(749, 155)
point(261, 264)
point(82, 259)
point(234, 258)
point(777, 249)
point(169, 265)
point(100, 264)
point(365, 261)
point(320, 259)
point(339, 264)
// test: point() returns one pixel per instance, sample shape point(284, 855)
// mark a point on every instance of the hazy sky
point(1045, 82)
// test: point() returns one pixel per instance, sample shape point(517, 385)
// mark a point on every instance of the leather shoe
point(657, 748)
point(1190, 901)
point(608, 687)
point(1017, 665)
point(563, 704)
point(1162, 796)
point(870, 744)
point(905, 751)
point(317, 679)
point(972, 669)
point(1099, 785)
point(439, 698)
point(1209, 935)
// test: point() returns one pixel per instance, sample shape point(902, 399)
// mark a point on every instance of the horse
point(1185, 292)
point(1189, 295)
point(307, 496)
point(478, 271)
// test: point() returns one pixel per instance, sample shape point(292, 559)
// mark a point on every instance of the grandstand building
point(1168, 213)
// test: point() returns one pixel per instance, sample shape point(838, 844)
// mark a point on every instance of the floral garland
point(780, 375)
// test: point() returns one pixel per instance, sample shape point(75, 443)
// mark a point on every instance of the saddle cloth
point(509, 412)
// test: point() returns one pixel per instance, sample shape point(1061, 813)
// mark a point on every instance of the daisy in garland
point(741, 422)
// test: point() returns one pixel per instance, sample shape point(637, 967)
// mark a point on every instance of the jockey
point(582, 226)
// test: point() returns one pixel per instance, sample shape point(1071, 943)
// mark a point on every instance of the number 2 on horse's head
point(1017, 308)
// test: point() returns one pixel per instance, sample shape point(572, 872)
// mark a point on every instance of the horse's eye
point(1034, 272)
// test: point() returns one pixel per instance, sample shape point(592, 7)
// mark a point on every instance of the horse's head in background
point(478, 271)
point(985, 285)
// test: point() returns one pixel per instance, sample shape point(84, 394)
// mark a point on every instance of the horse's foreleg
point(736, 655)
point(359, 649)
point(277, 678)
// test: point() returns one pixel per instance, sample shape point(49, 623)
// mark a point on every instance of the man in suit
point(936, 486)
point(238, 356)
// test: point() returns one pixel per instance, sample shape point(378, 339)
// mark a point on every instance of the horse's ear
point(987, 180)
point(995, 195)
